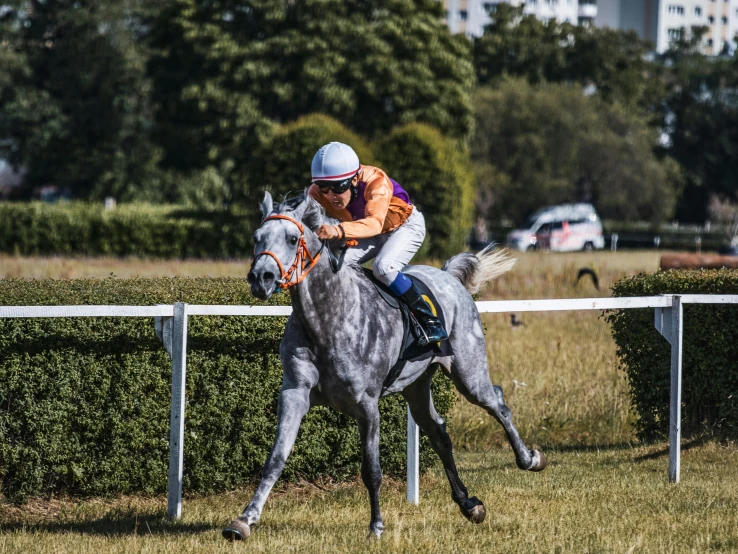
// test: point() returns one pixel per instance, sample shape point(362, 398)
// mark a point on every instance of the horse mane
point(313, 216)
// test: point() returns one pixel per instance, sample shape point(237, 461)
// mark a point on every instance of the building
point(471, 16)
point(663, 21)
point(659, 21)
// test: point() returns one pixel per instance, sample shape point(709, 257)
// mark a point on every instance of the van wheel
point(588, 247)
point(531, 248)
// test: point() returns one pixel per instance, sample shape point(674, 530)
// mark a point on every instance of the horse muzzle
point(263, 281)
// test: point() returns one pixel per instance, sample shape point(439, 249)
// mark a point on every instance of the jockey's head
point(335, 169)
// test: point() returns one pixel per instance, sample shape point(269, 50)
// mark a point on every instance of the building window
point(711, 20)
point(463, 15)
point(697, 11)
point(490, 7)
point(709, 42)
point(675, 10)
point(674, 34)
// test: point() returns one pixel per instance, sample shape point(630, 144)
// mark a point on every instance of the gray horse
point(343, 338)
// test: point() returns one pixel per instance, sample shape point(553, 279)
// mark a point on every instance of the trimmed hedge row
point(77, 228)
point(84, 402)
point(710, 353)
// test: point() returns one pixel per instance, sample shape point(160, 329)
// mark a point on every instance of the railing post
point(176, 420)
point(675, 409)
point(413, 460)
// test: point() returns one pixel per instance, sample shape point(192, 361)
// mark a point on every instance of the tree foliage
point(700, 117)
point(547, 144)
point(75, 108)
point(612, 61)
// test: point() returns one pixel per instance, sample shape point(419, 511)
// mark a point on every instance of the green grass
point(603, 492)
point(613, 499)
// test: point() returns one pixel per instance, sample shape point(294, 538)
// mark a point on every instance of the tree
point(75, 111)
point(700, 118)
point(536, 146)
point(224, 70)
point(613, 62)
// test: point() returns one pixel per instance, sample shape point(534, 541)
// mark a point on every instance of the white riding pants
point(391, 251)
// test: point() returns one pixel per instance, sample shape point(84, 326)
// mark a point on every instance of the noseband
point(300, 267)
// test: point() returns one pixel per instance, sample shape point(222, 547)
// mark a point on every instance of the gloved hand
point(327, 232)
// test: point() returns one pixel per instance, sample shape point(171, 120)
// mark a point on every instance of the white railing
point(170, 324)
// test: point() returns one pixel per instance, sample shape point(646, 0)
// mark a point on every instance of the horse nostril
point(251, 278)
point(267, 276)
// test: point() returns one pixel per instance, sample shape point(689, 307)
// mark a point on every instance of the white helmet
point(335, 162)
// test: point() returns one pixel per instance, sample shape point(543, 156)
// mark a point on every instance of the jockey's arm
point(378, 193)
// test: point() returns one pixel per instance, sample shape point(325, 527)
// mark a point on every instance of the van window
point(557, 225)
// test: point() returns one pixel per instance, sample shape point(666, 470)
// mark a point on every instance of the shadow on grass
point(114, 524)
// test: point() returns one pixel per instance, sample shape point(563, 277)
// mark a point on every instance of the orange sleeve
point(378, 193)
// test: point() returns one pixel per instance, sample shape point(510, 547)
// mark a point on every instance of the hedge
point(84, 402)
point(78, 228)
point(710, 353)
point(282, 164)
point(438, 175)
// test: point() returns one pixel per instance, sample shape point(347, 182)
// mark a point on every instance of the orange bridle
point(299, 268)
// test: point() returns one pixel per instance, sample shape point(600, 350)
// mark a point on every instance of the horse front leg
point(293, 405)
point(371, 470)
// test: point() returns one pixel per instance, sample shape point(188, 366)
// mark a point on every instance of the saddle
point(411, 349)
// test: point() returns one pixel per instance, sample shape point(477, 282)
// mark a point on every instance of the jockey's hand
point(327, 232)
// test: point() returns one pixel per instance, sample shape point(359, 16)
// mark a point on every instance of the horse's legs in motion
point(293, 405)
point(371, 471)
point(420, 401)
point(473, 382)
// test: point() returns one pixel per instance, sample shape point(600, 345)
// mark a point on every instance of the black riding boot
point(430, 324)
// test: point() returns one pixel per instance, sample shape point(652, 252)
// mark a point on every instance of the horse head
point(285, 246)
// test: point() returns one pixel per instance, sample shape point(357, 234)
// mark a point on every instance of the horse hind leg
point(420, 401)
point(476, 387)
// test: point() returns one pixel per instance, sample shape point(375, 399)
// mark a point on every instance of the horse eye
point(293, 240)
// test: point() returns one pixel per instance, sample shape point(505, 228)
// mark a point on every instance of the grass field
point(603, 492)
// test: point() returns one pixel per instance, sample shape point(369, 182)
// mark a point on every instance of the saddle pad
point(410, 347)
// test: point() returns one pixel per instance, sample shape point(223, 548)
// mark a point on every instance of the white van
point(563, 228)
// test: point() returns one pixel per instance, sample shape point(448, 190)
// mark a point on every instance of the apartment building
point(663, 21)
point(471, 16)
point(659, 21)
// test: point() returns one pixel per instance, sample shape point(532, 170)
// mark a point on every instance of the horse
point(342, 339)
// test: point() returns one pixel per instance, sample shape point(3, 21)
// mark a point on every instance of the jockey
point(377, 212)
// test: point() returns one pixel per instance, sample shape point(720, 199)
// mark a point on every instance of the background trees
point(179, 101)
point(539, 145)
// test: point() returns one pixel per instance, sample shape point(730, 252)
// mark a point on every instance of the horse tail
point(474, 270)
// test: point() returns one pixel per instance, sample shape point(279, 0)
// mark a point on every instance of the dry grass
point(607, 500)
point(561, 379)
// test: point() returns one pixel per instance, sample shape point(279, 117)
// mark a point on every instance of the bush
point(84, 402)
point(77, 228)
point(282, 164)
point(710, 353)
point(437, 174)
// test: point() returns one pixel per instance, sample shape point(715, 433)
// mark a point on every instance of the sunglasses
point(337, 187)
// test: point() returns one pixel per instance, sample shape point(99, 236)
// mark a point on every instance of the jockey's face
point(340, 201)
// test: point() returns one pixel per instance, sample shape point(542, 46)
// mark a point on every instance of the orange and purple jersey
point(381, 205)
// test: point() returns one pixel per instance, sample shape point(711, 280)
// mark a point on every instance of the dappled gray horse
point(342, 339)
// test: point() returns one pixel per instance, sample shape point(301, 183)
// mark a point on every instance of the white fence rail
point(170, 324)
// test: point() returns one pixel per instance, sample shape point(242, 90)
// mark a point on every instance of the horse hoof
point(539, 461)
point(375, 532)
point(236, 530)
point(477, 512)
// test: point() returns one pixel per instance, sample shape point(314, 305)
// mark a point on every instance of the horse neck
point(316, 299)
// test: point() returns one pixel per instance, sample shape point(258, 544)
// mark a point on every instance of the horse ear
point(313, 216)
point(267, 205)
